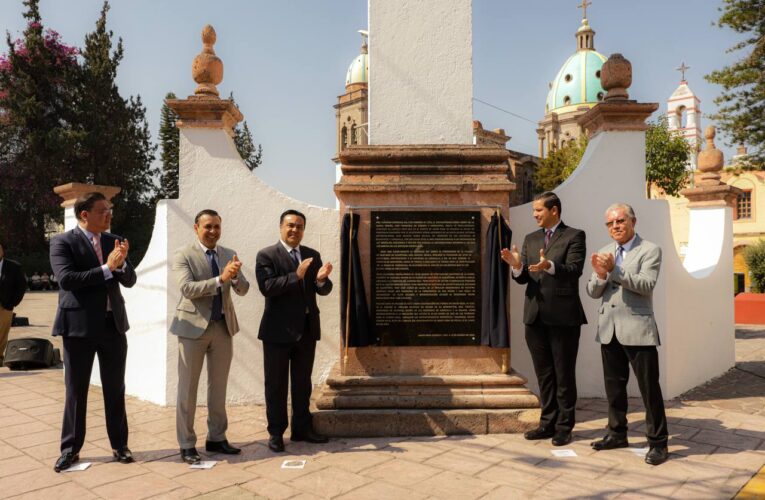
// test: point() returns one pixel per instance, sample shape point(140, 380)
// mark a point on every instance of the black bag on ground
point(30, 354)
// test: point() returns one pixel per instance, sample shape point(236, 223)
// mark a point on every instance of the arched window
point(343, 137)
point(354, 134)
point(682, 116)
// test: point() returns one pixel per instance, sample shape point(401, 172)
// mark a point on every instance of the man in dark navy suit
point(90, 265)
point(290, 275)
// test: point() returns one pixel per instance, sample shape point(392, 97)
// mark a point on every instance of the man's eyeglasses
point(615, 222)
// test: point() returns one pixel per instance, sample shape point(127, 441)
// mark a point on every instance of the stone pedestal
point(416, 390)
point(73, 190)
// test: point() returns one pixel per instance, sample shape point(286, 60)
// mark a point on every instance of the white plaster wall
point(695, 316)
point(70, 220)
point(420, 72)
point(213, 176)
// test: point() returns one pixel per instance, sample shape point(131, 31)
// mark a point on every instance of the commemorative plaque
point(426, 277)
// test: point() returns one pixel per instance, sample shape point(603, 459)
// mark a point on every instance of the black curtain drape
point(494, 328)
point(360, 324)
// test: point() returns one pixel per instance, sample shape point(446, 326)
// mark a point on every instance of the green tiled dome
point(577, 83)
point(358, 71)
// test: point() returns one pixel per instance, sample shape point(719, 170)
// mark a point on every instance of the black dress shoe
point(539, 433)
point(190, 455)
point(65, 461)
point(561, 438)
point(309, 436)
point(657, 455)
point(123, 455)
point(221, 447)
point(276, 444)
point(609, 443)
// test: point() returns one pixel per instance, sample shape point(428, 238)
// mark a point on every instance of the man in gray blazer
point(205, 322)
point(625, 274)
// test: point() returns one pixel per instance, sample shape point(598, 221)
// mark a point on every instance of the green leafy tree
point(666, 158)
point(37, 139)
point(754, 255)
point(559, 164)
point(115, 147)
point(168, 143)
point(742, 103)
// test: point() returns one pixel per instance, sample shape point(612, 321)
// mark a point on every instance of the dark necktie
point(294, 255)
point(217, 305)
point(548, 235)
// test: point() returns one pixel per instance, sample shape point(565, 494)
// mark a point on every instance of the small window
point(597, 74)
point(744, 205)
point(354, 134)
point(343, 137)
point(568, 77)
point(567, 100)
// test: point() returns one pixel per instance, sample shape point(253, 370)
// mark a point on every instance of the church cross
point(682, 69)
point(583, 6)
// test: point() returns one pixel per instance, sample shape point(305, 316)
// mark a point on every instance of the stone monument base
point(416, 405)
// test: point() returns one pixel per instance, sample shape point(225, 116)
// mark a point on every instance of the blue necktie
point(619, 256)
point(294, 255)
point(217, 305)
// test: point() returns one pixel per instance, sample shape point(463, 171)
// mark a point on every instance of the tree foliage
point(742, 103)
point(666, 158)
point(754, 255)
point(559, 164)
point(63, 120)
point(168, 143)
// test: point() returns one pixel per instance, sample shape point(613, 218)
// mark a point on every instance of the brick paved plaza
point(717, 445)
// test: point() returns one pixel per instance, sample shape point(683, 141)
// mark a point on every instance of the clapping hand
point(231, 271)
point(117, 256)
point(542, 265)
point(303, 267)
point(602, 264)
point(511, 257)
point(324, 272)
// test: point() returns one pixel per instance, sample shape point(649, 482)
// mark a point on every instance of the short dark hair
point(85, 202)
point(206, 211)
point(549, 200)
point(291, 212)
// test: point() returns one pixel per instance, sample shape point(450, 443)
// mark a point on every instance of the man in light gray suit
point(205, 323)
point(625, 274)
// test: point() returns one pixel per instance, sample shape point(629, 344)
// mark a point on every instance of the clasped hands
point(602, 264)
point(513, 257)
point(117, 256)
point(323, 274)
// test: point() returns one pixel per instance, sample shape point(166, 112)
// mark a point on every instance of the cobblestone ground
point(717, 445)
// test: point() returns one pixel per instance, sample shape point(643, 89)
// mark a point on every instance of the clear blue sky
point(285, 61)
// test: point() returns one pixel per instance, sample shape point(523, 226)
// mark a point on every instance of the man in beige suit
point(624, 277)
point(205, 322)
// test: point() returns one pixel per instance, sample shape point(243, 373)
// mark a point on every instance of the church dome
point(358, 71)
point(578, 81)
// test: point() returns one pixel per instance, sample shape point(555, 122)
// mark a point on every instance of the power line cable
point(504, 110)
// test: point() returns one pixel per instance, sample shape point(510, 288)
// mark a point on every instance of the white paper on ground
point(293, 464)
point(563, 453)
point(78, 467)
point(204, 464)
point(639, 451)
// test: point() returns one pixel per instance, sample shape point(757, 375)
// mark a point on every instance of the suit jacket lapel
point(87, 245)
point(201, 259)
point(632, 253)
point(555, 236)
point(286, 258)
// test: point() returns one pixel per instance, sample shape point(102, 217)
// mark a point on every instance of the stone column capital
point(73, 190)
point(206, 112)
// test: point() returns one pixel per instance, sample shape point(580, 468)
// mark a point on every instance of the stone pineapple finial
point(207, 69)
point(616, 77)
point(711, 159)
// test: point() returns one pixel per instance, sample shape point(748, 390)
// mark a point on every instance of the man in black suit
point(552, 313)
point(13, 285)
point(90, 265)
point(289, 276)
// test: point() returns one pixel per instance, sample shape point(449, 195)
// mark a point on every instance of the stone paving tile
point(63, 491)
point(272, 490)
point(690, 449)
point(463, 462)
point(727, 440)
point(449, 484)
point(32, 438)
point(354, 461)
point(505, 492)
point(272, 467)
point(32, 480)
point(137, 487)
point(16, 465)
point(416, 451)
point(101, 473)
point(746, 460)
point(402, 472)
point(329, 482)
point(519, 477)
point(177, 494)
point(221, 476)
point(382, 491)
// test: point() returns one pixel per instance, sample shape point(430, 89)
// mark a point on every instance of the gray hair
point(622, 206)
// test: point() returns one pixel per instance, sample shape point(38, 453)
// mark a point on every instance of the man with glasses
point(289, 276)
point(625, 274)
point(90, 264)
